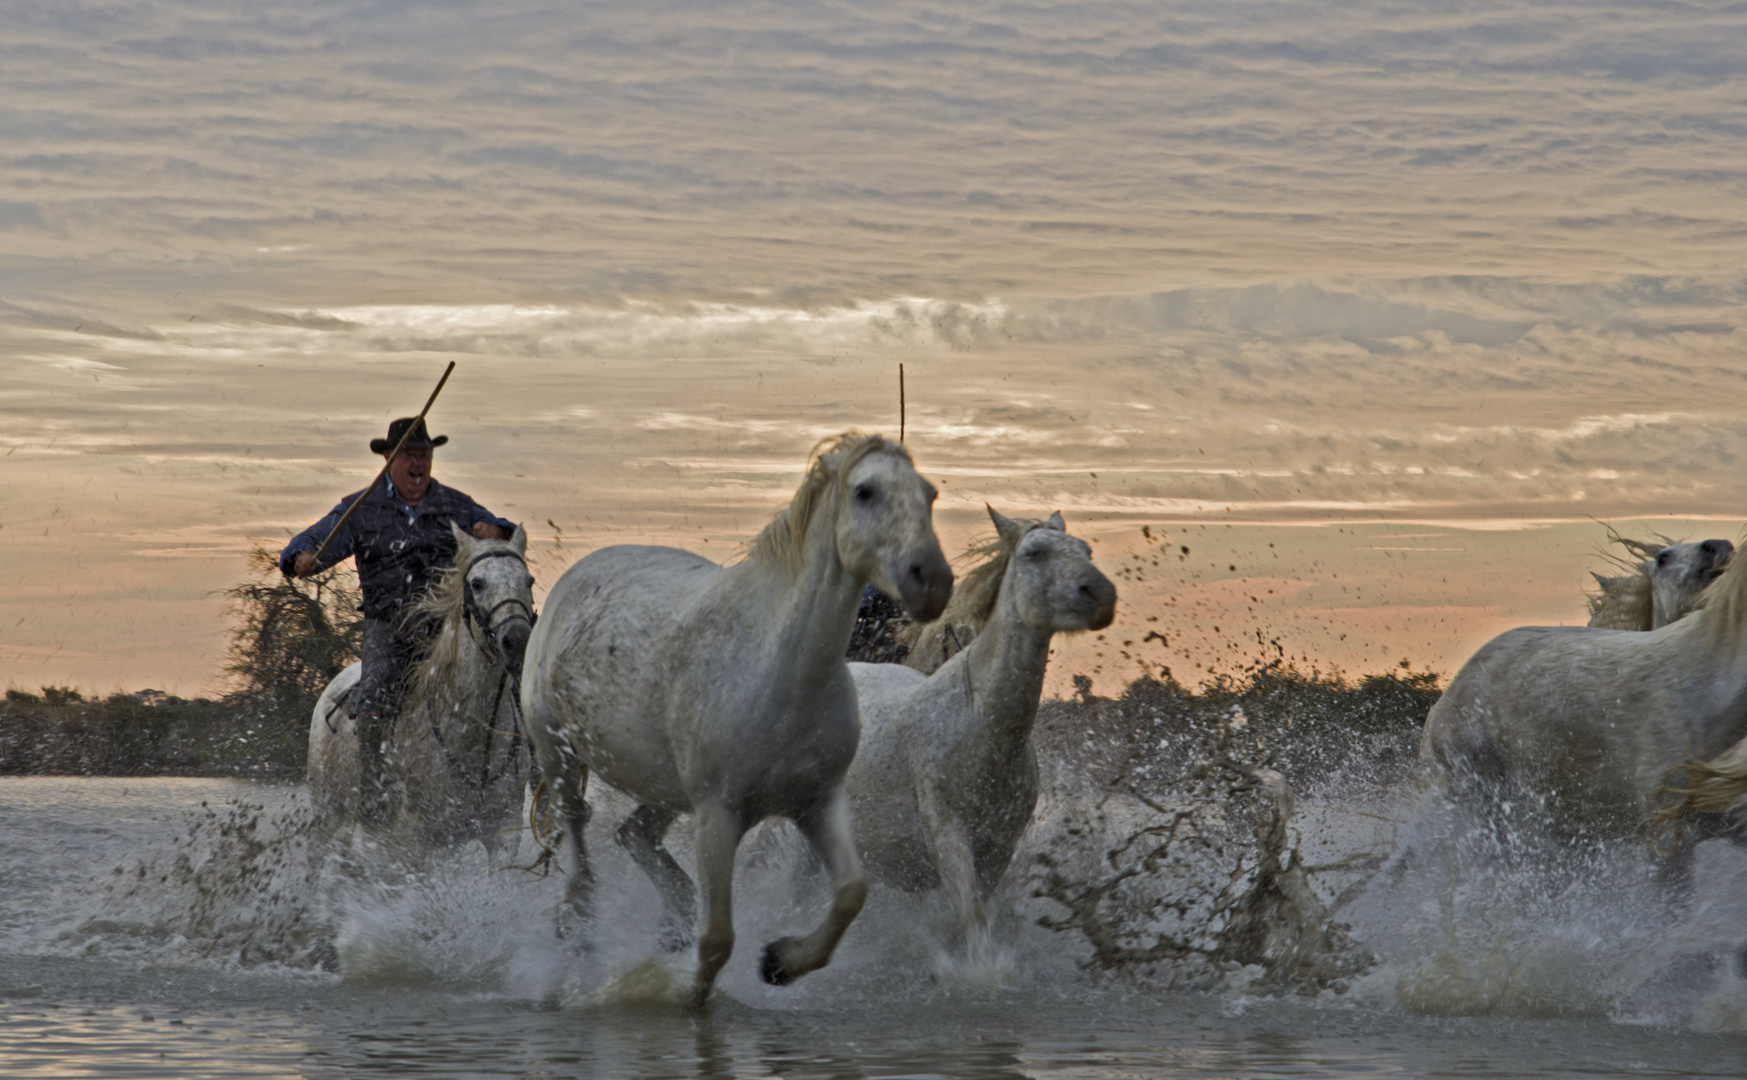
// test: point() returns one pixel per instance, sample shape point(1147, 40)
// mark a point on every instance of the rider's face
point(411, 473)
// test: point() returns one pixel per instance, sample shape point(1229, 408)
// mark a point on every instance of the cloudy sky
point(1411, 291)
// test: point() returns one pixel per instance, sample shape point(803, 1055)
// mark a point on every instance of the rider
point(401, 539)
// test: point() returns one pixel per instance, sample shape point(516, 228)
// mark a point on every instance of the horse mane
point(436, 659)
point(1626, 602)
point(783, 542)
point(973, 597)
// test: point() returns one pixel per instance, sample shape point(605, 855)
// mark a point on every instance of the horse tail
point(1715, 785)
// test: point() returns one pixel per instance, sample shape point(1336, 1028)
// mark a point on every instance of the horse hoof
point(572, 928)
point(770, 965)
point(674, 939)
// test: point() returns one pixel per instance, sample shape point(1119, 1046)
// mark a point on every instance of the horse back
point(593, 668)
point(1581, 715)
point(332, 764)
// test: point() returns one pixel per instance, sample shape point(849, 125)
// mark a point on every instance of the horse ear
point(1056, 522)
point(461, 538)
point(1006, 528)
point(519, 540)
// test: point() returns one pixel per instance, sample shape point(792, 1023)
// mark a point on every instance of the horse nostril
point(916, 574)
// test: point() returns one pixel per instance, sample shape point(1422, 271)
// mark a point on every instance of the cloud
point(19, 215)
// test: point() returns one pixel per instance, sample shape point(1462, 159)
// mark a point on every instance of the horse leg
point(956, 866)
point(828, 829)
point(567, 781)
point(718, 837)
point(641, 836)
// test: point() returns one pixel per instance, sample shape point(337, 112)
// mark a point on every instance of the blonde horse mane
point(783, 541)
point(973, 598)
point(435, 667)
point(1626, 602)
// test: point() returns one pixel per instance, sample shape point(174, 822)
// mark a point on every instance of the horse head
point(885, 525)
point(498, 593)
point(1051, 578)
point(1679, 573)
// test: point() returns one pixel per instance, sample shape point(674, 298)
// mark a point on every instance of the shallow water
point(447, 968)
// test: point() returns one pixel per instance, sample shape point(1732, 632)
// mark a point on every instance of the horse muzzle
point(1099, 595)
point(1714, 556)
point(512, 642)
point(925, 586)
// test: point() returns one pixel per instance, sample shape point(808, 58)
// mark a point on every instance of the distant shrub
point(289, 639)
point(1318, 729)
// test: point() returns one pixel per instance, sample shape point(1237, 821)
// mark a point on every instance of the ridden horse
point(945, 781)
point(723, 692)
point(457, 757)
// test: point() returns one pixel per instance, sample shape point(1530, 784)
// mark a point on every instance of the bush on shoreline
point(141, 734)
point(289, 639)
point(1317, 729)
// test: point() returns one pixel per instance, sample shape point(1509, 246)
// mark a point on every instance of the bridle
point(479, 628)
point(480, 623)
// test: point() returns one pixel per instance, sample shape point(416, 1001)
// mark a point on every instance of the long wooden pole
point(901, 404)
point(392, 454)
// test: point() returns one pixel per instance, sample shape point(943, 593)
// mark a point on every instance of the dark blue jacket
point(399, 548)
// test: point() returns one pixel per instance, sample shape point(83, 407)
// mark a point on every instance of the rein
point(479, 625)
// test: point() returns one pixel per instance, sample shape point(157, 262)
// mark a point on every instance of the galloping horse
point(1587, 723)
point(945, 781)
point(457, 756)
point(1666, 586)
point(723, 692)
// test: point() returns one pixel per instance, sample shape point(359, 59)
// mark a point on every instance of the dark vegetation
point(1320, 730)
point(288, 639)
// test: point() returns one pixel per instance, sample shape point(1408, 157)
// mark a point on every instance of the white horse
point(723, 692)
point(1587, 723)
point(457, 755)
point(945, 781)
point(1664, 586)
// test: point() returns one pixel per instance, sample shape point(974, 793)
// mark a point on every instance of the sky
point(1413, 294)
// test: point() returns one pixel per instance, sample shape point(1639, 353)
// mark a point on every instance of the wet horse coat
point(1587, 723)
point(945, 782)
point(723, 692)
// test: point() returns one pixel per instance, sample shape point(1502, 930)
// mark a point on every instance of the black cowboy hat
point(419, 437)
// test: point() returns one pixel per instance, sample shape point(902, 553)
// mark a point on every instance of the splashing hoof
point(573, 929)
point(674, 938)
point(770, 965)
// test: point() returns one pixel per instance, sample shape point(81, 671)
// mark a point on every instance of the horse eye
point(864, 492)
point(1662, 559)
point(477, 583)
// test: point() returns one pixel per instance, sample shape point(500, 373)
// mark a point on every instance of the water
point(242, 951)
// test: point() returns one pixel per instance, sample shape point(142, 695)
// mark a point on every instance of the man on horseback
point(401, 539)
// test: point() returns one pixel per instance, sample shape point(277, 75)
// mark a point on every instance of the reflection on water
point(481, 989)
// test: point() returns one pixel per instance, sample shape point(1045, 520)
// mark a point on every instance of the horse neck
point(817, 606)
point(1003, 668)
point(460, 699)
